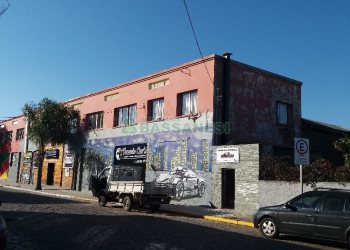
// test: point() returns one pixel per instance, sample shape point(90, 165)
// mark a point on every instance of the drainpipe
point(225, 118)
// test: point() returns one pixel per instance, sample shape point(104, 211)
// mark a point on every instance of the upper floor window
point(284, 113)
point(125, 116)
point(94, 120)
point(156, 109)
point(8, 136)
point(77, 105)
point(187, 103)
point(20, 134)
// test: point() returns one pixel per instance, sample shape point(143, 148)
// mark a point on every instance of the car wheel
point(268, 228)
point(201, 189)
point(179, 190)
point(102, 201)
point(127, 203)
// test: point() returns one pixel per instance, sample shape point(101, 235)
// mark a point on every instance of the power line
point(195, 37)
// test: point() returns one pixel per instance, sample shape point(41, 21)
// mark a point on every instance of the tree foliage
point(319, 171)
point(343, 145)
point(49, 122)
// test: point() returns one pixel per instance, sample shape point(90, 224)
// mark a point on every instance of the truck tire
point(155, 207)
point(102, 200)
point(127, 203)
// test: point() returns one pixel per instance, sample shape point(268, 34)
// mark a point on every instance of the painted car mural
point(183, 155)
point(188, 183)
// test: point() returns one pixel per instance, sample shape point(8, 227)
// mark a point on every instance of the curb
point(205, 217)
point(230, 221)
point(65, 196)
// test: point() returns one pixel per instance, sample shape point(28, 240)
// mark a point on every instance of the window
point(125, 116)
point(77, 105)
point(155, 85)
point(284, 111)
point(8, 136)
point(187, 103)
point(20, 134)
point(156, 109)
point(111, 97)
point(307, 201)
point(94, 120)
point(347, 205)
point(334, 203)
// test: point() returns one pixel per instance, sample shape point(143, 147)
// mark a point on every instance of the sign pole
point(301, 178)
point(301, 156)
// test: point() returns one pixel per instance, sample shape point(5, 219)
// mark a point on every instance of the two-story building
point(175, 116)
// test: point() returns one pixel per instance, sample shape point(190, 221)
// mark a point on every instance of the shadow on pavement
point(29, 198)
point(67, 231)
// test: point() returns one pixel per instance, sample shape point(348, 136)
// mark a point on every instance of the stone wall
point(278, 192)
point(246, 179)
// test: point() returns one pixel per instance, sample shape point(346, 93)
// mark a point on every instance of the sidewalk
point(204, 212)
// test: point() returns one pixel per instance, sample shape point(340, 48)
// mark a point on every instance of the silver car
point(188, 183)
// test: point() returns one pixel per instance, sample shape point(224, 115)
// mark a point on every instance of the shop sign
point(27, 158)
point(52, 153)
point(135, 154)
point(227, 154)
point(68, 161)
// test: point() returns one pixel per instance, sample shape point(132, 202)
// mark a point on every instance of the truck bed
point(141, 187)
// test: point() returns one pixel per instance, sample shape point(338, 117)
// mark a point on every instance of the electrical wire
point(196, 39)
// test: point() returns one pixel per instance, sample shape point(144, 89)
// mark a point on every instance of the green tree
point(49, 122)
point(343, 145)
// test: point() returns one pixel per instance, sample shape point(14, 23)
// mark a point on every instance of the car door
point(300, 214)
point(331, 222)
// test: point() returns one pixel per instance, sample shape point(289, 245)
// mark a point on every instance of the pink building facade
point(178, 114)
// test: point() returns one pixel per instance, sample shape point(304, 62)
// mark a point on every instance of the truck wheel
point(155, 207)
point(102, 201)
point(127, 203)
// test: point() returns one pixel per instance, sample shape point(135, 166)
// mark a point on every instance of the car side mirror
point(289, 206)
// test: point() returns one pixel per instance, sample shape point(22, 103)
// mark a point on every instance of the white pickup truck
point(126, 185)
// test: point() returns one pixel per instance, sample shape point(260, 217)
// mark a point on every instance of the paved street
point(41, 222)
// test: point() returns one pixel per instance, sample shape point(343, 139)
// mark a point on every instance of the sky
point(64, 49)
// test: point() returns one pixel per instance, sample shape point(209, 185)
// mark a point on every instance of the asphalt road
point(41, 222)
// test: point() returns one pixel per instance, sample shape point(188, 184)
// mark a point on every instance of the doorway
point(228, 188)
point(50, 173)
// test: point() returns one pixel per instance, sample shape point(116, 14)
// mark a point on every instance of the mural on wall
point(4, 165)
point(179, 158)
